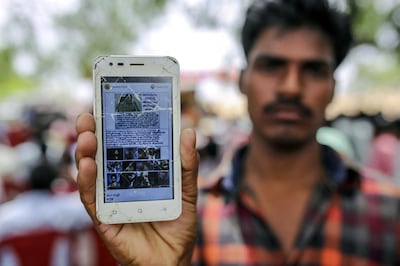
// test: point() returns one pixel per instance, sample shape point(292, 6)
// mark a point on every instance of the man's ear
point(241, 81)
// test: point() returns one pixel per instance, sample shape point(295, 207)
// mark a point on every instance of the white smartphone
point(137, 113)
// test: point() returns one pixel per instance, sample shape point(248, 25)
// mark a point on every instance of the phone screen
point(137, 138)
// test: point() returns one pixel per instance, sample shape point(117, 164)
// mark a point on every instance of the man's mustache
point(274, 107)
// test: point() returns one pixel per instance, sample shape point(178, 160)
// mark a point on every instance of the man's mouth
point(287, 110)
point(288, 113)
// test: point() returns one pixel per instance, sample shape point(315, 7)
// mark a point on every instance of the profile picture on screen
point(130, 102)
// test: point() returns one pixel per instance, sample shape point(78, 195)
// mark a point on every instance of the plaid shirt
point(348, 221)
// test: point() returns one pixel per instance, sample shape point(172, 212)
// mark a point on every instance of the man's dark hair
point(293, 14)
point(42, 176)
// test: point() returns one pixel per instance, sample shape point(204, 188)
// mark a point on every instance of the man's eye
point(316, 70)
point(270, 65)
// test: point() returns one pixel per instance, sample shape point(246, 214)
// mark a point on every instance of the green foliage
point(366, 22)
point(375, 80)
point(105, 27)
point(10, 81)
point(95, 27)
point(369, 19)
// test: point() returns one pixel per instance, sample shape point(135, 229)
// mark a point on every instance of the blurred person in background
point(384, 155)
point(18, 153)
point(36, 226)
point(337, 140)
point(34, 137)
point(396, 170)
point(286, 199)
point(8, 164)
point(193, 116)
point(359, 129)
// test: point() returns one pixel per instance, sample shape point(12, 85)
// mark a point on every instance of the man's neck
point(281, 183)
point(296, 168)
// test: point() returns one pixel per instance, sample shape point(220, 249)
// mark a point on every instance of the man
point(286, 200)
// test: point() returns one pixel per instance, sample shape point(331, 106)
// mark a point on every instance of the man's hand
point(153, 243)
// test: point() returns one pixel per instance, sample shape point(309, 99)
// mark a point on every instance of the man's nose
point(291, 81)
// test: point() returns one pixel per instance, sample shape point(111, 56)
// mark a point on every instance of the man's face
point(289, 83)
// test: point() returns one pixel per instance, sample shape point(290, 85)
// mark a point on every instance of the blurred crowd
point(41, 135)
point(42, 219)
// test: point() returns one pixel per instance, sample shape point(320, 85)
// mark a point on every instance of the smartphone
point(137, 113)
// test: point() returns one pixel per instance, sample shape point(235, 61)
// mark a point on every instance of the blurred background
point(47, 48)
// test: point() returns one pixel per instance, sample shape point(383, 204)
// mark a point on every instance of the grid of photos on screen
point(136, 167)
